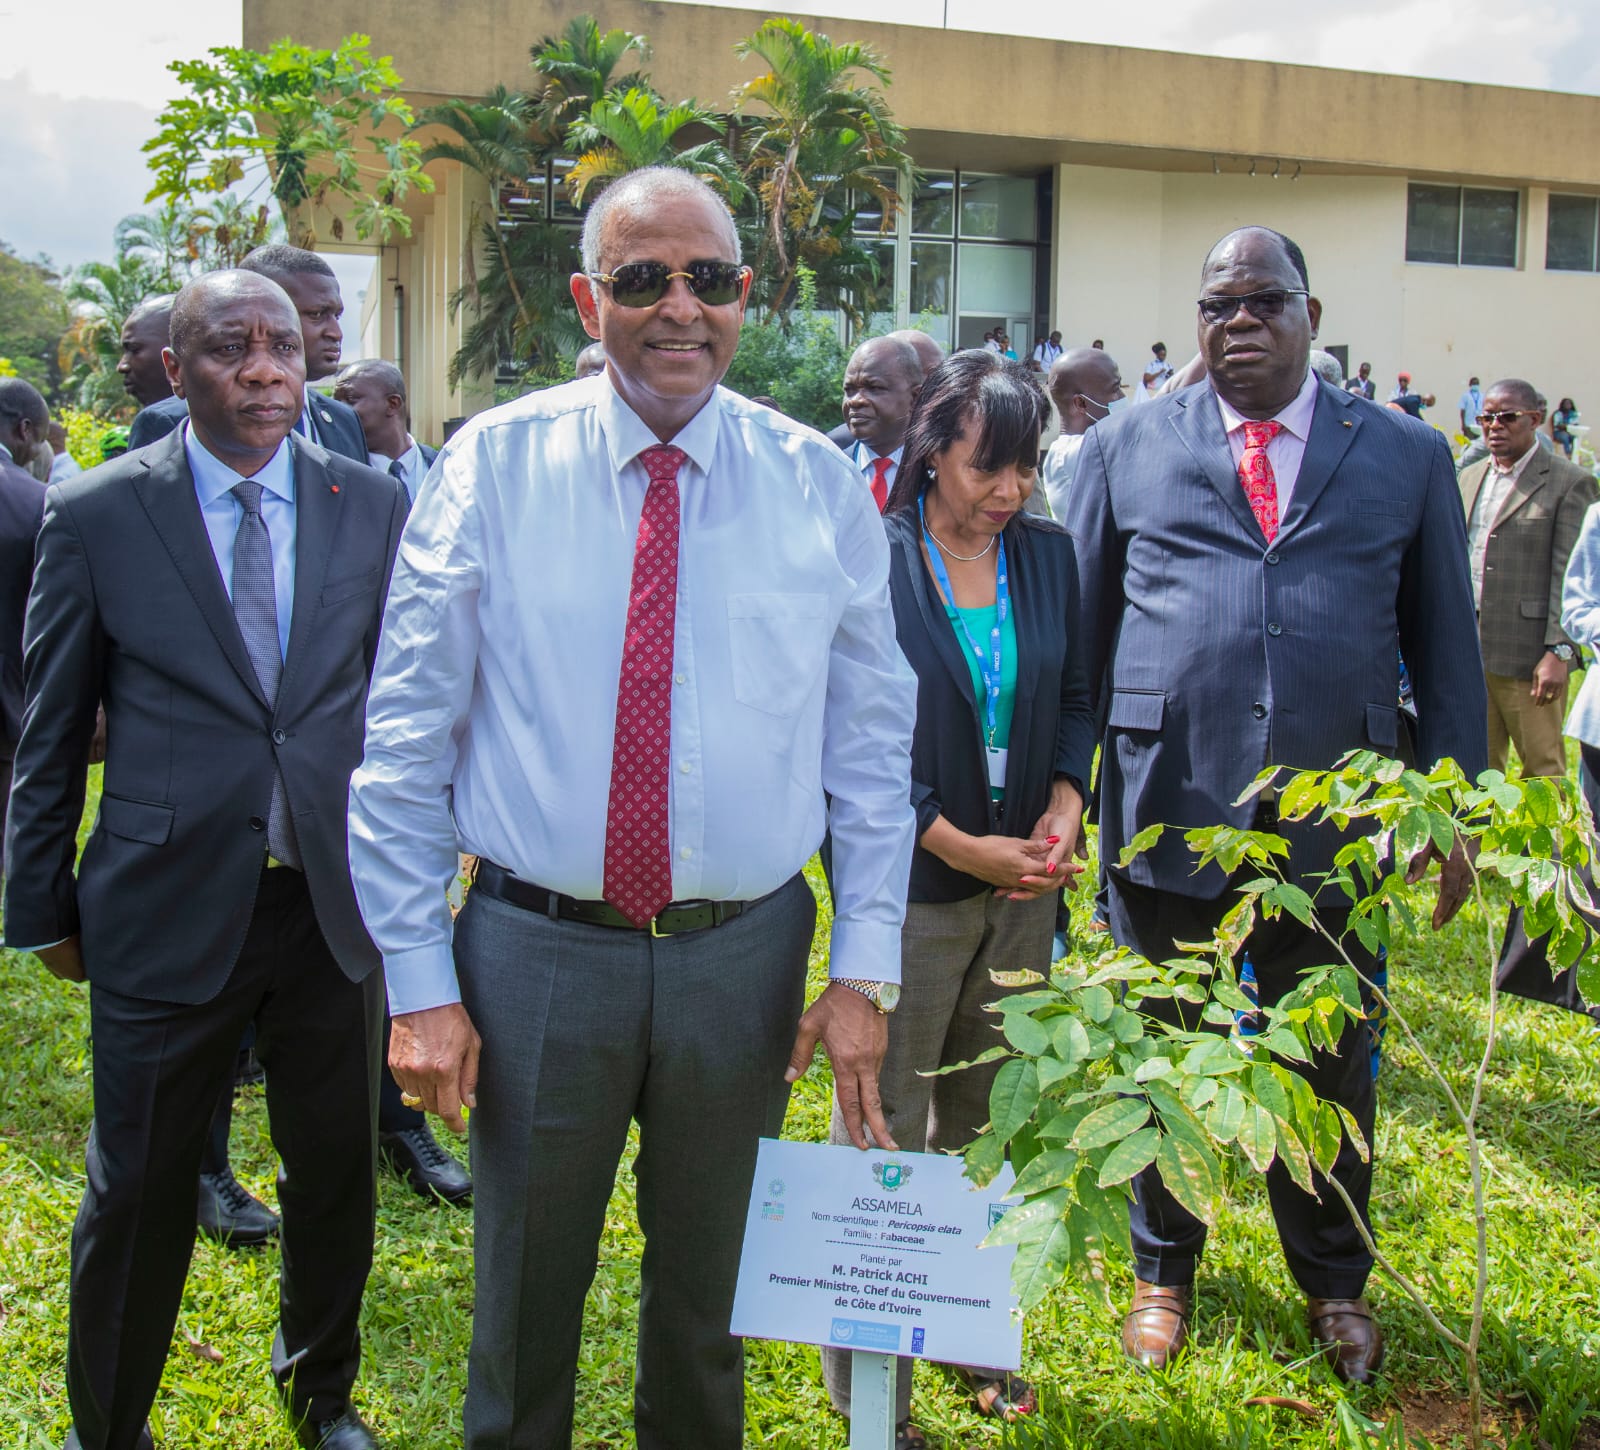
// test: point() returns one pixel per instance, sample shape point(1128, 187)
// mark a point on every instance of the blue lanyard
point(988, 662)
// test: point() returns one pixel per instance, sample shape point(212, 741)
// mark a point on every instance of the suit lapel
point(1198, 423)
point(316, 517)
point(1335, 421)
point(1472, 484)
point(165, 489)
point(1533, 477)
point(1026, 597)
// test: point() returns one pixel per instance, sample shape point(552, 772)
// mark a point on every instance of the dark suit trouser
point(158, 1069)
point(583, 1029)
point(1320, 1242)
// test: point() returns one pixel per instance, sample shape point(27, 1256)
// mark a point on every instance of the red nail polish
point(1052, 840)
point(1049, 868)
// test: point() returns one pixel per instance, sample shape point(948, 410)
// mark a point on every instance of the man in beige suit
point(1524, 508)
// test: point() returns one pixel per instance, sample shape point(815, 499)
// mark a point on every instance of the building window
point(999, 208)
point(1461, 226)
point(1570, 238)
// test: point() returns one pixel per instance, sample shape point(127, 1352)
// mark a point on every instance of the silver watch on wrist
point(885, 996)
point(1563, 652)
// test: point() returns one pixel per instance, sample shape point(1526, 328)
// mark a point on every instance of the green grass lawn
point(1542, 1117)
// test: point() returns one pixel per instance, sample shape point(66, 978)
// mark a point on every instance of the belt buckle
point(656, 930)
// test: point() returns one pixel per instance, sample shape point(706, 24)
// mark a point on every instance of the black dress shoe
point(343, 1432)
point(230, 1215)
point(418, 1157)
point(144, 1442)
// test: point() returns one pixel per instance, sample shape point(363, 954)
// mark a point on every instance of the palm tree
point(818, 136)
point(103, 294)
point(165, 241)
point(627, 131)
point(578, 68)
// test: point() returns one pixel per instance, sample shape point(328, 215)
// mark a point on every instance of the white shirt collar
point(7, 452)
point(213, 477)
point(864, 454)
point(1295, 417)
point(627, 435)
point(1515, 471)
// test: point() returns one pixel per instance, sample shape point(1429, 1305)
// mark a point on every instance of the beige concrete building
point(1450, 229)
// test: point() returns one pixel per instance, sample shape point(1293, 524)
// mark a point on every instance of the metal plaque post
point(872, 1389)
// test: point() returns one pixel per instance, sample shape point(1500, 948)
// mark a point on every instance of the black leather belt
point(672, 919)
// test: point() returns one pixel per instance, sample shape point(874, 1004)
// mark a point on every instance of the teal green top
point(979, 623)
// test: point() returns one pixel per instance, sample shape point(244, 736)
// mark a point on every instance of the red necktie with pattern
point(1255, 473)
point(880, 481)
point(638, 869)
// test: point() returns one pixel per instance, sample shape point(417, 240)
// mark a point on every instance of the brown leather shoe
point(1349, 1337)
point(1155, 1330)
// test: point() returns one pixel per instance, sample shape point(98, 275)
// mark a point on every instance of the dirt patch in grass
point(1442, 1419)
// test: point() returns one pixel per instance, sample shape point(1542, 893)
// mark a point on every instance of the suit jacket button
point(1272, 558)
point(279, 736)
point(1259, 710)
point(1274, 629)
point(257, 824)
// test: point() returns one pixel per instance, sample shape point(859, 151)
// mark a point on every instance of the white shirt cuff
point(868, 950)
point(419, 979)
point(12, 946)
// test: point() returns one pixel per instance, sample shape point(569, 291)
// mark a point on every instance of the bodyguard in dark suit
point(220, 593)
point(1250, 549)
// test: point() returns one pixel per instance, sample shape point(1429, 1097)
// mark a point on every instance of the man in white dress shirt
point(881, 383)
point(376, 390)
point(643, 744)
point(1085, 385)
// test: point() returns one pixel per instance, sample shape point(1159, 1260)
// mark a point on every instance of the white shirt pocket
point(779, 647)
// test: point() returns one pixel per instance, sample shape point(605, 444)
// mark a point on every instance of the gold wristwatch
point(885, 996)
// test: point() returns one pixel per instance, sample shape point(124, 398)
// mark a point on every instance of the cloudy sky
point(81, 81)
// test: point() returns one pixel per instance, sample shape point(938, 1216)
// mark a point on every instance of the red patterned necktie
point(638, 870)
point(1255, 473)
point(880, 481)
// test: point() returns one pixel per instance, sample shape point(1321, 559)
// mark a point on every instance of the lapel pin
point(327, 417)
point(1347, 423)
point(333, 488)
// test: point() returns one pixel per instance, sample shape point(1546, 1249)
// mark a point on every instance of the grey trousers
point(947, 951)
point(583, 1029)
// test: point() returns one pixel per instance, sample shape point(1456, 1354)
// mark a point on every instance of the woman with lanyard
point(984, 603)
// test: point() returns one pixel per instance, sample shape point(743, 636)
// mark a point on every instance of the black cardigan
point(1052, 724)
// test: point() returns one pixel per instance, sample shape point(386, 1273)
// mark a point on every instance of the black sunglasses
point(1263, 306)
point(643, 284)
point(1508, 416)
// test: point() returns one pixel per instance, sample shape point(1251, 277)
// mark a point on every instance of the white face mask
point(1111, 407)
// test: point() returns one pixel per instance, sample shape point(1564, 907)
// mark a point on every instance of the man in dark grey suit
point(220, 594)
point(1250, 549)
point(314, 290)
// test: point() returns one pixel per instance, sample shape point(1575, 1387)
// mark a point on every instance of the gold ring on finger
point(410, 1100)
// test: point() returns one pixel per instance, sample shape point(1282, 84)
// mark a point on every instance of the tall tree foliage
point(623, 133)
point(33, 314)
point(327, 123)
point(815, 127)
point(104, 294)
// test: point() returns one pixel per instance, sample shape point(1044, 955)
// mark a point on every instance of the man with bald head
point(220, 593)
point(1250, 549)
point(144, 339)
point(881, 384)
point(376, 391)
point(1086, 386)
point(626, 609)
point(1524, 508)
point(928, 352)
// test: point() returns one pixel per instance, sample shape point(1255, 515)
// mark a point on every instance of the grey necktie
point(255, 606)
point(397, 472)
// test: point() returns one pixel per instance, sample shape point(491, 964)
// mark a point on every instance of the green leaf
point(1097, 1003)
point(1051, 1070)
point(1026, 1035)
point(1226, 1113)
point(1268, 1091)
point(1258, 1136)
point(1111, 1123)
point(1125, 1026)
point(1589, 977)
point(1065, 1123)
point(1028, 1220)
point(989, 1054)
point(1293, 1153)
point(1198, 1091)
point(1290, 898)
point(1070, 1040)
point(1353, 1132)
point(1040, 1264)
point(984, 1157)
point(1051, 1169)
point(1326, 1137)
point(1141, 843)
point(1013, 1098)
point(1130, 1156)
point(1190, 1175)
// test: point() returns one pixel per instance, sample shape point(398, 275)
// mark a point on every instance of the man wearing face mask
point(1085, 386)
